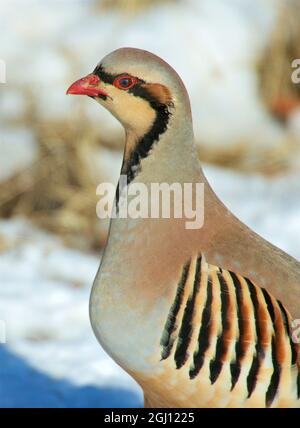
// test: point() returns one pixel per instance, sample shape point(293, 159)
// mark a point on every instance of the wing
point(223, 327)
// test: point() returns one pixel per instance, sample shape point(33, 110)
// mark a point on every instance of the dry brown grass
point(58, 191)
point(130, 6)
point(241, 157)
point(279, 93)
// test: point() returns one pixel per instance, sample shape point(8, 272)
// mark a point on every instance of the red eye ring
point(125, 82)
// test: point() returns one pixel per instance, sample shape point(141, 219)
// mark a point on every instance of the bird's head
point(147, 96)
point(134, 85)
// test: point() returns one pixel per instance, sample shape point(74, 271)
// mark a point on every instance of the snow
point(51, 351)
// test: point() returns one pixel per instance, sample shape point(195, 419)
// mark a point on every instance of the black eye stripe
point(138, 89)
point(103, 75)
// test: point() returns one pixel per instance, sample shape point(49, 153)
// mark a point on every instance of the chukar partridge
point(199, 317)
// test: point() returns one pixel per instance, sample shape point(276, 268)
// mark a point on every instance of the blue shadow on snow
point(23, 386)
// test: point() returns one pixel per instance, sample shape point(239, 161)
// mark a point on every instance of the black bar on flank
point(222, 345)
point(186, 328)
point(204, 334)
point(166, 340)
point(235, 366)
point(275, 378)
point(259, 349)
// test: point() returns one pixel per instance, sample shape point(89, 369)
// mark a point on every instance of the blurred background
point(235, 58)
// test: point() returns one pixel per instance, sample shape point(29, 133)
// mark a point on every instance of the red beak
point(87, 86)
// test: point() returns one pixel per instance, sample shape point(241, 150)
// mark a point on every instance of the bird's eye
point(125, 82)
